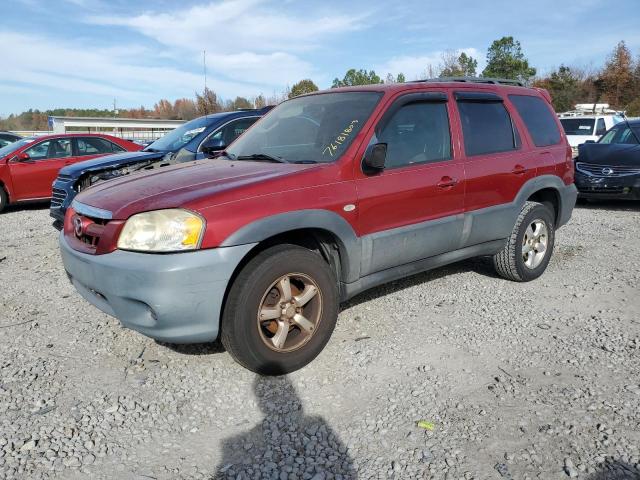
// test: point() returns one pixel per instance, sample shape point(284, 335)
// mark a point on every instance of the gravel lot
point(537, 380)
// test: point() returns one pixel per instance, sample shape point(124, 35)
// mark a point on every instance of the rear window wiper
point(262, 156)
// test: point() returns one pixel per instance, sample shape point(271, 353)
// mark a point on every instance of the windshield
point(578, 126)
point(12, 147)
point(312, 129)
point(178, 138)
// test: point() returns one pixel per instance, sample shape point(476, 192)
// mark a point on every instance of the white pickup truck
point(588, 123)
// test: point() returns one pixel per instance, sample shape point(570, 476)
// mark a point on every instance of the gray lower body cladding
point(173, 297)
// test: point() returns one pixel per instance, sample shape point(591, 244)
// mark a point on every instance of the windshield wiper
point(305, 161)
point(262, 156)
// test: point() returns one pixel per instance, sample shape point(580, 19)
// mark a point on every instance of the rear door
point(413, 208)
point(497, 165)
point(33, 178)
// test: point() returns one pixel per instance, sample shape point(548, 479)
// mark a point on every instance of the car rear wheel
point(4, 199)
point(280, 311)
point(528, 250)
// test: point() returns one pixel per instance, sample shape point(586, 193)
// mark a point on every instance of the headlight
point(162, 231)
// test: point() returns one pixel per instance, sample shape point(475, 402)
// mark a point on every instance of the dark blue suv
point(195, 140)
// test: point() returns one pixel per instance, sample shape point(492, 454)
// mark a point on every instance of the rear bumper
point(627, 187)
point(568, 197)
point(175, 298)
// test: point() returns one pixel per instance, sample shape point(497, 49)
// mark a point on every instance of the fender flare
point(349, 244)
point(567, 195)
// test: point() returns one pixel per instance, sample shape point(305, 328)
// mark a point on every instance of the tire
point(4, 199)
point(510, 262)
point(260, 289)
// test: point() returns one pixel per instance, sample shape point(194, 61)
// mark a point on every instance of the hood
point(609, 154)
point(109, 161)
point(182, 185)
point(575, 140)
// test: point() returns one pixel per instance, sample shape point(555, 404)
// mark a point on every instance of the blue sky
point(85, 53)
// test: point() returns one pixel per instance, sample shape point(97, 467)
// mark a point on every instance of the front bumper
point(62, 196)
point(626, 187)
point(175, 298)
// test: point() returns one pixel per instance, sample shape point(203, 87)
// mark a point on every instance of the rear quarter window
point(538, 118)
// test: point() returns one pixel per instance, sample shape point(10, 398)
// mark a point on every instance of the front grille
point(57, 198)
point(607, 171)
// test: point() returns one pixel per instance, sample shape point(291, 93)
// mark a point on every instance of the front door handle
point(447, 182)
point(519, 170)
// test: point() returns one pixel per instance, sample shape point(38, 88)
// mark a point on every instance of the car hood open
point(109, 161)
point(609, 154)
point(181, 185)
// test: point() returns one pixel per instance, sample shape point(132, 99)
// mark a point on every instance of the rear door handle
point(519, 170)
point(447, 182)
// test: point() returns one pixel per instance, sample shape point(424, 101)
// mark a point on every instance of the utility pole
point(204, 65)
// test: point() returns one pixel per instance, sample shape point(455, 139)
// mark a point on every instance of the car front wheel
point(280, 311)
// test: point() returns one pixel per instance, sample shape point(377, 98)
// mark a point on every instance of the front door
point(413, 209)
point(33, 177)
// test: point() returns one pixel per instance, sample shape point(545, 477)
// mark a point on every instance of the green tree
point(357, 77)
point(455, 65)
point(618, 77)
point(506, 60)
point(565, 87)
point(302, 88)
point(400, 78)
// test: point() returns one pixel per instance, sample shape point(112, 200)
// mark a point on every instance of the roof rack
point(494, 81)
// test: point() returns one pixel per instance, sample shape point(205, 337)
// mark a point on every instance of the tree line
point(617, 82)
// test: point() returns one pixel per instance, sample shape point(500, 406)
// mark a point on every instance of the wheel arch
point(549, 190)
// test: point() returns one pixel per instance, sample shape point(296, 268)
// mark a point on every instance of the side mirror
point(213, 145)
point(374, 158)
point(23, 158)
point(590, 141)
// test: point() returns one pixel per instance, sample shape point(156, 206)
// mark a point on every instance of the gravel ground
point(536, 380)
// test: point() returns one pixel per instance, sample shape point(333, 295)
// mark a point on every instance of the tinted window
point(179, 137)
point(600, 127)
point(233, 130)
point(578, 126)
point(538, 118)
point(417, 133)
point(59, 148)
point(486, 127)
point(96, 146)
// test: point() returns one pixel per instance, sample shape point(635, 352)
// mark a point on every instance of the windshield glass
point(578, 126)
point(315, 129)
point(12, 147)
point(178, 138)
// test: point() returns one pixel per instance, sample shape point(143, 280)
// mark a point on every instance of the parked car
point(581, 126)
point(29, 166)
point(610, 168)
point(7, 137)
point(194, 140)
point(330, 194)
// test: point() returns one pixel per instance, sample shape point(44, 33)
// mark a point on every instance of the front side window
point(309, 129)
point(578, 126)
point(417, 133)
point(538, 119)
point(486, 127)
point(59, 148)
point(178, 138)
point(233, 130)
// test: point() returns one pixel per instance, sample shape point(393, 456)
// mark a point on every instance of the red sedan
point(29, 166)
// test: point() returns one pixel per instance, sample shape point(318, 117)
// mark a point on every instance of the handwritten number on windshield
point(332, 148)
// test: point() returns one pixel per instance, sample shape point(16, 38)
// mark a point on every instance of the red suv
point(328, 195)
point(29, 166)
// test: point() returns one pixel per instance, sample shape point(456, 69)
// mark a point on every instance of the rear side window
point(538, 118)
point(486, 127)
point(96, 146)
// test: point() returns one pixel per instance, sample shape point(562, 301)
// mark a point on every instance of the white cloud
point(415, 67)
point(111, 71)
point(245, 40)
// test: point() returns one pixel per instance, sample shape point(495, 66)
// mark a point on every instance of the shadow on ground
point(616, 205)
point(616, 470)
point(286, 443)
